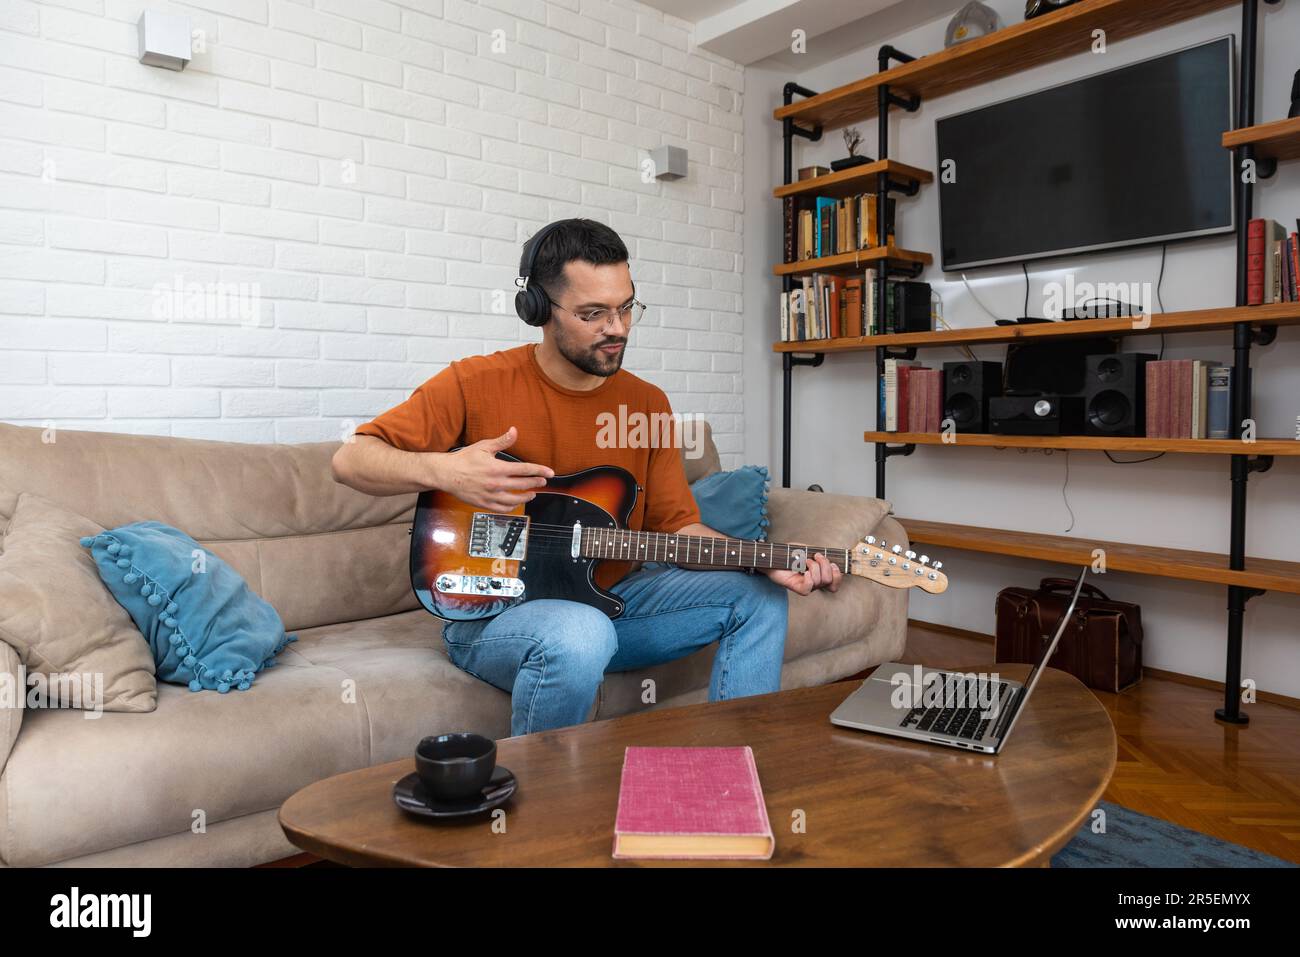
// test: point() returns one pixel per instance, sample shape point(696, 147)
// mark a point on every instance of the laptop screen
point(1056, 638)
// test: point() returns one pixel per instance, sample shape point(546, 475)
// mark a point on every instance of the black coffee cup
point(455, 767)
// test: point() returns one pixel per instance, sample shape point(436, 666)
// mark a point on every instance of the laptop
point(951, 708)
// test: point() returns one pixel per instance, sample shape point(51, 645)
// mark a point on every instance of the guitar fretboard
point(620, 543)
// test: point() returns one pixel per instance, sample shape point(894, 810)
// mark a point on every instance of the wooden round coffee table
point(835, 797)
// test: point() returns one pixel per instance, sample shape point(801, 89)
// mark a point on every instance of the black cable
point(1026, 271)
point(1064, 497)
point(1150, 458)
point(1164, 248)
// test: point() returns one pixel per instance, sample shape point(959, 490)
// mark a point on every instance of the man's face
point(593, 349)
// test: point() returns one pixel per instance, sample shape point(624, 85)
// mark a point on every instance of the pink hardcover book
point(1181, 388)
point(683, 803)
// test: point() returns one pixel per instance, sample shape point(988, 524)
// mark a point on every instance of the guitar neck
point(717, 552)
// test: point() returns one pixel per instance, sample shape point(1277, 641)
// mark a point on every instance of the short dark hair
point(572, 239)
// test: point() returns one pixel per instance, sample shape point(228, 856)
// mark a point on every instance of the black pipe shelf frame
point(1244, 334)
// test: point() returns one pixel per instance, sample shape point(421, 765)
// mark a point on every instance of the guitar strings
point(543, 529)
point(685, 542)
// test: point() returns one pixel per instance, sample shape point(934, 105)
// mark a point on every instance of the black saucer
point(410, 795)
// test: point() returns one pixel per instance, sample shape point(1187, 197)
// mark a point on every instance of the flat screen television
point(1128, 157)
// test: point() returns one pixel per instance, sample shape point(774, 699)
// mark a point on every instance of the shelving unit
point(1063, 33)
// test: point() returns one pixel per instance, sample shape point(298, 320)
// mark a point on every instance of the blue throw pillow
point(204, 625)
point(734, 503)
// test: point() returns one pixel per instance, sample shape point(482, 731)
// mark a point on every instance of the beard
point(587, 356)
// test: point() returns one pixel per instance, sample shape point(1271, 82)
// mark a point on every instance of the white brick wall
point(364, 171)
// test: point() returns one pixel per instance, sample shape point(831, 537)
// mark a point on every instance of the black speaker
point(967, 388)
point(1295, 97)
point(1052, 368)
point(912, 307)
point(1036, 415)
point(1115, 392)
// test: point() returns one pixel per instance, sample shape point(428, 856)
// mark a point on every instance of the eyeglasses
point(599, 320)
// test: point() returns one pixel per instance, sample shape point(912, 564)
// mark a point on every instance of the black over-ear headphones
point(531, 301)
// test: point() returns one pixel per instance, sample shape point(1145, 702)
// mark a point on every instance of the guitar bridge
point(498, 536)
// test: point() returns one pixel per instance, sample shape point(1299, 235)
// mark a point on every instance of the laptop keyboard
point(958, 721)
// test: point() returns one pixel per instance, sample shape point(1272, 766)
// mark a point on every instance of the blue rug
point(1136, 840)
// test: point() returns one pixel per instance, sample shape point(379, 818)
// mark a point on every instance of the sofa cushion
point(345, 696)
point(735, 502)
point(204, 625)
point(57, 615)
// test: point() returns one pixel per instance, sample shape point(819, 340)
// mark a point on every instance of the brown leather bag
point(1101, 646)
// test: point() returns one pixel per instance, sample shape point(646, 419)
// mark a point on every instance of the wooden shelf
point(1266, 573)
point(851, 262)
point(1020, 46)
point(1200, 320)
point(857, 179)
point(1277, 140)
point(1096, 443)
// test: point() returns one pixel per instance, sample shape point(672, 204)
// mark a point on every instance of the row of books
point(828, 306)
point(1188, 399)
point(817, 226)
point(911, 397)
point(1272, 263)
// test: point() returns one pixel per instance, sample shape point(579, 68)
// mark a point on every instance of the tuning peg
point(925, 559)
point(910, 554)
point(897, 549)
point(882, 543)
point(870, 539)
point(937, 565)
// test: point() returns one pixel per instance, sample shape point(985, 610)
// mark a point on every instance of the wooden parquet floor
point(1174, 761)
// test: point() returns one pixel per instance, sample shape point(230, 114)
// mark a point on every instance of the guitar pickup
point(508, 543)
point(498, 536)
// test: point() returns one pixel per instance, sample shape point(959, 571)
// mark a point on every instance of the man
point(543, 402)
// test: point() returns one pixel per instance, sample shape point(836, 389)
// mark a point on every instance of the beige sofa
point(126, 789)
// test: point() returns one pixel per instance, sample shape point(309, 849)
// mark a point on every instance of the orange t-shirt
point(480, 397)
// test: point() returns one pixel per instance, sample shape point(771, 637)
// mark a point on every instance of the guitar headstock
point(886, 564)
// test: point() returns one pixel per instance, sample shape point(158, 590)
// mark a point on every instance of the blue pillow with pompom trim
point(734, 503)
point(204, 624)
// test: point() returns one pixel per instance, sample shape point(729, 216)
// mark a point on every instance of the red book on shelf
point(1157, 400)
point(918, 416)
point(684, 803)
point(905, 373)
point(1255, 262)
point(1180, 389)
point(915, 402)
point(1294, 251)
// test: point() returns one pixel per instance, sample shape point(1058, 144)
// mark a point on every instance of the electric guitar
point(469, 563)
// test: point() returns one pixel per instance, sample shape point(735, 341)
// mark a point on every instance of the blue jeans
point(552, 655)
